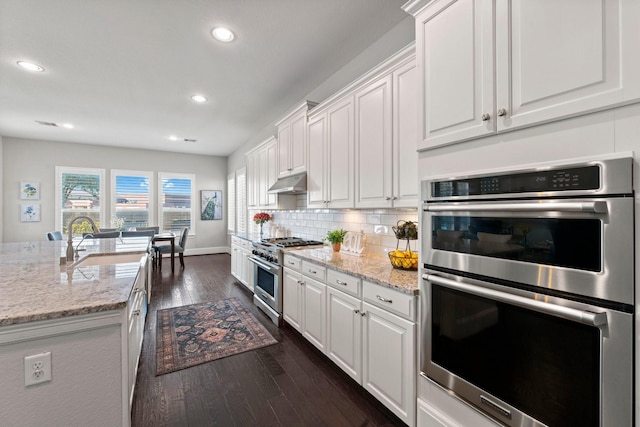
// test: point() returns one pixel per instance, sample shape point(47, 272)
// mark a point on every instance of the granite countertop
point(34, 286)
point(371, 267)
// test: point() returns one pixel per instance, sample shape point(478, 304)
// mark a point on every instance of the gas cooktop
point(290, 242)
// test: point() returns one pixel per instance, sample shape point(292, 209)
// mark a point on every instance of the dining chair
point(138, 233)
point(107, 235)
point(155, 229)
point(54, 235)
point(179, 247)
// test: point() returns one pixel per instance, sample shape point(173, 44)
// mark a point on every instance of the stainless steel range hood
point(292, 184)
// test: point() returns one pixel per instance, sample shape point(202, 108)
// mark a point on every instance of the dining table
point(166, 237)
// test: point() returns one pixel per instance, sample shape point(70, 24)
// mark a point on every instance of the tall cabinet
point(262, 173)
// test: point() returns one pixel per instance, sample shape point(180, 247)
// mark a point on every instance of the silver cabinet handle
point(591, 207)
point(387, 198)
point(384, 299)
point(300, 282)
point(291, 263)
point(502, 112)
point(362, 313)
point(394, 198)
point(313, 271)
point(136, 313)
point(356, 311)
point(486, 117)
point(583, 316)
point(340, 282)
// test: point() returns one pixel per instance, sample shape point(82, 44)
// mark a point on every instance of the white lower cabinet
point(241, 267)
point(344, 332)
point(427, 416)
point(389, 361)
point(304, 301)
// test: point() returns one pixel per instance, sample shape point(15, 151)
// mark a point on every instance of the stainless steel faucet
point(70, 251)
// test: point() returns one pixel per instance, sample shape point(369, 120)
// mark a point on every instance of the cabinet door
point(373, 139)
point(454, 47)
point(313, 312)
point(344, 332)
point(405, 126)
point(248, 270)
point(291, 298)
point(284, 144)
point(316, 184)
point(235, 261)
point(340, 144)
point(298, 144)
point(271, 200)
point(556, 59)
point(389, 362)
point(261, 167)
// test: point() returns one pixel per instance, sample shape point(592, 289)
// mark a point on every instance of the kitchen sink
point(107, 259)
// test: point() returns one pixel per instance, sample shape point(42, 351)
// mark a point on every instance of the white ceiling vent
point(43, 123)
point(190, 140)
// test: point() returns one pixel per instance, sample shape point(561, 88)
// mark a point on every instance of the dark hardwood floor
point(287, 384)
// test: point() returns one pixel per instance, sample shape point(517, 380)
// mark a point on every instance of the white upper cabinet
point(330, 167)
point(261, 175)
point(386, 120)
point(292, 141)
point(488, 66)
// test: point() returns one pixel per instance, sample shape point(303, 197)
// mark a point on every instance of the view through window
point(176, 194)
point(79, 191)
point(132, 204)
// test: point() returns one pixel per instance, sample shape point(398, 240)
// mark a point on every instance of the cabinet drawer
point(246, 244)
point(236, 240)
point(316, 271)
point(345, 282)
point(403, 305)
point(292, 262)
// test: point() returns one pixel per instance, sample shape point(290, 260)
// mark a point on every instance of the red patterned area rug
point(199, 333)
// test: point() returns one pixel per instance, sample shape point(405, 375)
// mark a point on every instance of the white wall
point(1, 190)
point(25, 159)
point(391, 42)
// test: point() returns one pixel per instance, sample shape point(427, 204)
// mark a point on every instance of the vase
point(336, 247)
point(261, 232)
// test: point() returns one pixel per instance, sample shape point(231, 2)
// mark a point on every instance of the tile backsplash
point(314, 224)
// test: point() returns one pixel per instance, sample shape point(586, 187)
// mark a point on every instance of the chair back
point(107, 235)
point(156, 229)
point(139, 233)
point(54, 235)
point(183, 237)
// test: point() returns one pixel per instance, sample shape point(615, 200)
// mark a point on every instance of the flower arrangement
point(261, 218)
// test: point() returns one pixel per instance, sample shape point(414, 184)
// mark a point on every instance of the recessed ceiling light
point(222, 34)
point(30, 66)
point(199, 98)
point(67, 125)
point(173, 138)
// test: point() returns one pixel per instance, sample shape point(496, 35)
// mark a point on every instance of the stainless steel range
point(267, 257)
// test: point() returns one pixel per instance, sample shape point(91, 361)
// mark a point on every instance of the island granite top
point(35, 286)
point(371, 267)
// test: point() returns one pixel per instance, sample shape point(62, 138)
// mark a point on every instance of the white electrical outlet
point(37, 368)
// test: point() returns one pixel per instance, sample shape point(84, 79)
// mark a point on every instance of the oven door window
point(546, 366)
point(571, 243)
point(265, 281)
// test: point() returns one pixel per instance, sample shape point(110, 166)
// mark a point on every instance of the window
point(175, 207)
point(237, 201)
point(79, 191)
point(131, 198)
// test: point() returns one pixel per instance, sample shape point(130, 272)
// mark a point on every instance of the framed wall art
point(30, 212)
point(210, 204)
point(29, 190)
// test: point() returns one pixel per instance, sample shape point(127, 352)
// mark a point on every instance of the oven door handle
point(589, 207)
point(265, 266)
point(583, 316)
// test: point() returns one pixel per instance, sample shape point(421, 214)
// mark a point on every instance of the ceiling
point(123, 71)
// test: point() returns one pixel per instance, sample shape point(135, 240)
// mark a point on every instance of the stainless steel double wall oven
point(528, 292)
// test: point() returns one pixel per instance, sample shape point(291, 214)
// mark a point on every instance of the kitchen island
point(88, 319)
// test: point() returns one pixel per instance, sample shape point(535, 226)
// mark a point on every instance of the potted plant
point(336, 237)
